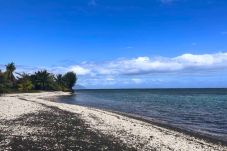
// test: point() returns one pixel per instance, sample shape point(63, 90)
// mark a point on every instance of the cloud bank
point(147, 65)
point(147, 71)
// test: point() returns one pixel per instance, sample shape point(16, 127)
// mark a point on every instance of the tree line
point(40, 80)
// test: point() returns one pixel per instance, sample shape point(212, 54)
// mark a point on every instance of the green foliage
point(69, 79)
point(40, 80)
point(5, 85)
point(10, 68)
point(2, 82)
point(25, 86)
point(24, 83)
point(43, 80)
point(60, 82)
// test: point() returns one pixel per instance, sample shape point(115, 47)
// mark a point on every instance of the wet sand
point(33, 121)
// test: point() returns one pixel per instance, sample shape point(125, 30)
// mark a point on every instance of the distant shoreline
point(149, 88)
point(136, 133)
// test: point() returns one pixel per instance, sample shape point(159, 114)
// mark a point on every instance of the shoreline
point(198, 135)
point(207, 137)
point(135, 132)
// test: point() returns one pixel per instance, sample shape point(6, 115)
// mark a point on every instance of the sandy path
point(134, 133)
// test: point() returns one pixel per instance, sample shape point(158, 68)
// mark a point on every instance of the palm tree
point(4, 83)
point(42, 79)
point(24, 82)
point(1, 82)
point(10, 68)
point(59, 80)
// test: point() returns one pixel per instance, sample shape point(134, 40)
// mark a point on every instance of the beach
point(35, 121)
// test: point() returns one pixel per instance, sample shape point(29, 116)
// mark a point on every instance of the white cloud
point(137, 80)
point(139, 70)
point(203, 61)
point(146, 65)
point(79, 70)
point(110, 79)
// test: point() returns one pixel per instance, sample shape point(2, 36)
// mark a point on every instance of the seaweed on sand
point(55, 129)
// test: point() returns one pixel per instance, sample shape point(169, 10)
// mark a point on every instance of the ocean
point(202, 111)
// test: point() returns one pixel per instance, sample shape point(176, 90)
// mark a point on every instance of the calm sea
point(196, 110)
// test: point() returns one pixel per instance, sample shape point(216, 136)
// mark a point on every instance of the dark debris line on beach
point(61, 130)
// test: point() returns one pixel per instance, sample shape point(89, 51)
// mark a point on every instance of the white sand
point(141, 135)
point(13, 107)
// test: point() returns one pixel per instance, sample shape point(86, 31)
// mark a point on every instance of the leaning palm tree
point(10, 68)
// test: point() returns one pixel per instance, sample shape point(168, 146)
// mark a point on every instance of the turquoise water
point(197, 110)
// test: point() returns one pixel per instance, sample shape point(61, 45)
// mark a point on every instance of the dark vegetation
point(40, 80)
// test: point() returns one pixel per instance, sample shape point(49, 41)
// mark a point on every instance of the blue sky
point(119, 43)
